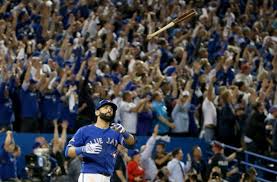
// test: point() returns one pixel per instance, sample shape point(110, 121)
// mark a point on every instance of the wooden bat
point(187, 15)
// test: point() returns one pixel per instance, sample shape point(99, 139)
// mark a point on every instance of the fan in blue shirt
point(160, 114)
point(9, 151)
point(29, 102)
point(97, 144)
point(49, 109)
point(6, 110)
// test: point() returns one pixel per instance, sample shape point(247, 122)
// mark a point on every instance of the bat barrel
point(187, 15)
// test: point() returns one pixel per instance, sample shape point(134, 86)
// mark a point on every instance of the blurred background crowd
point(214, 77)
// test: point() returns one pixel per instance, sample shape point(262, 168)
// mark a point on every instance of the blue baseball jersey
point(49, 105)
point(6, 109)
point(7, 165)
point(104, 162)
point(65, 114)
point(29, 104)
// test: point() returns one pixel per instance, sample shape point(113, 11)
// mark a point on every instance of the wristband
point(79, 150)
point(125, 135)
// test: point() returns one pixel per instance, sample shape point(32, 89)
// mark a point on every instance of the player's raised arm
point(105, 112)
point(128, 138)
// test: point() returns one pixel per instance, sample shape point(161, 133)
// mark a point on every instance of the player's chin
point(109, 114)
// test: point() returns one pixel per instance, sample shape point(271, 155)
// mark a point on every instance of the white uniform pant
point(87, 177)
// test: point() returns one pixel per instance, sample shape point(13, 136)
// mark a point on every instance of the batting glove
point(92, 148)
point(119, 128)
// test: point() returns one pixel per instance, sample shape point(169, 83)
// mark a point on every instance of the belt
point(211, 126)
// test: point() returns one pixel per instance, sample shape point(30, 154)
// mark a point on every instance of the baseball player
point(97, 144)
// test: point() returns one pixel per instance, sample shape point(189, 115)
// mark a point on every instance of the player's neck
point(101, 124)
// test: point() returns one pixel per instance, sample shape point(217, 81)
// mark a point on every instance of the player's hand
point(118, 127)
point(92, 148)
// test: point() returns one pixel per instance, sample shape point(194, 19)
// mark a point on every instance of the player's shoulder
point(85, 128)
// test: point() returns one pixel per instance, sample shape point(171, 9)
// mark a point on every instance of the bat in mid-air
point(187, 15)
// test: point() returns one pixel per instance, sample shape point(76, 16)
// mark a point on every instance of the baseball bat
point(187, 15)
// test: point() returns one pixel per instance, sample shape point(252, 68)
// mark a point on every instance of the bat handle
point(150, 36)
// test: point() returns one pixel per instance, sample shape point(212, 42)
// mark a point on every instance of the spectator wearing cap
point(220, 160)
point(135, 171)
point(8, 153)
point(160, 114)
point(180, 115)
point(177, 168)
point(29, 97)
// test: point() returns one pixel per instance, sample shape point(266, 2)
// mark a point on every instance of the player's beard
point(106, 117)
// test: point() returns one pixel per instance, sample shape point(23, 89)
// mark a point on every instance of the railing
point(259, 157)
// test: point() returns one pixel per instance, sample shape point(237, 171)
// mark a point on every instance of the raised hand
point(64, 124)
point(118, 127)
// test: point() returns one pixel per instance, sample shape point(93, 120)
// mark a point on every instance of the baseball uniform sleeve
point(77, 140)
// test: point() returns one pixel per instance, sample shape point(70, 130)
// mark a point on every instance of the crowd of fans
point(214, 77)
